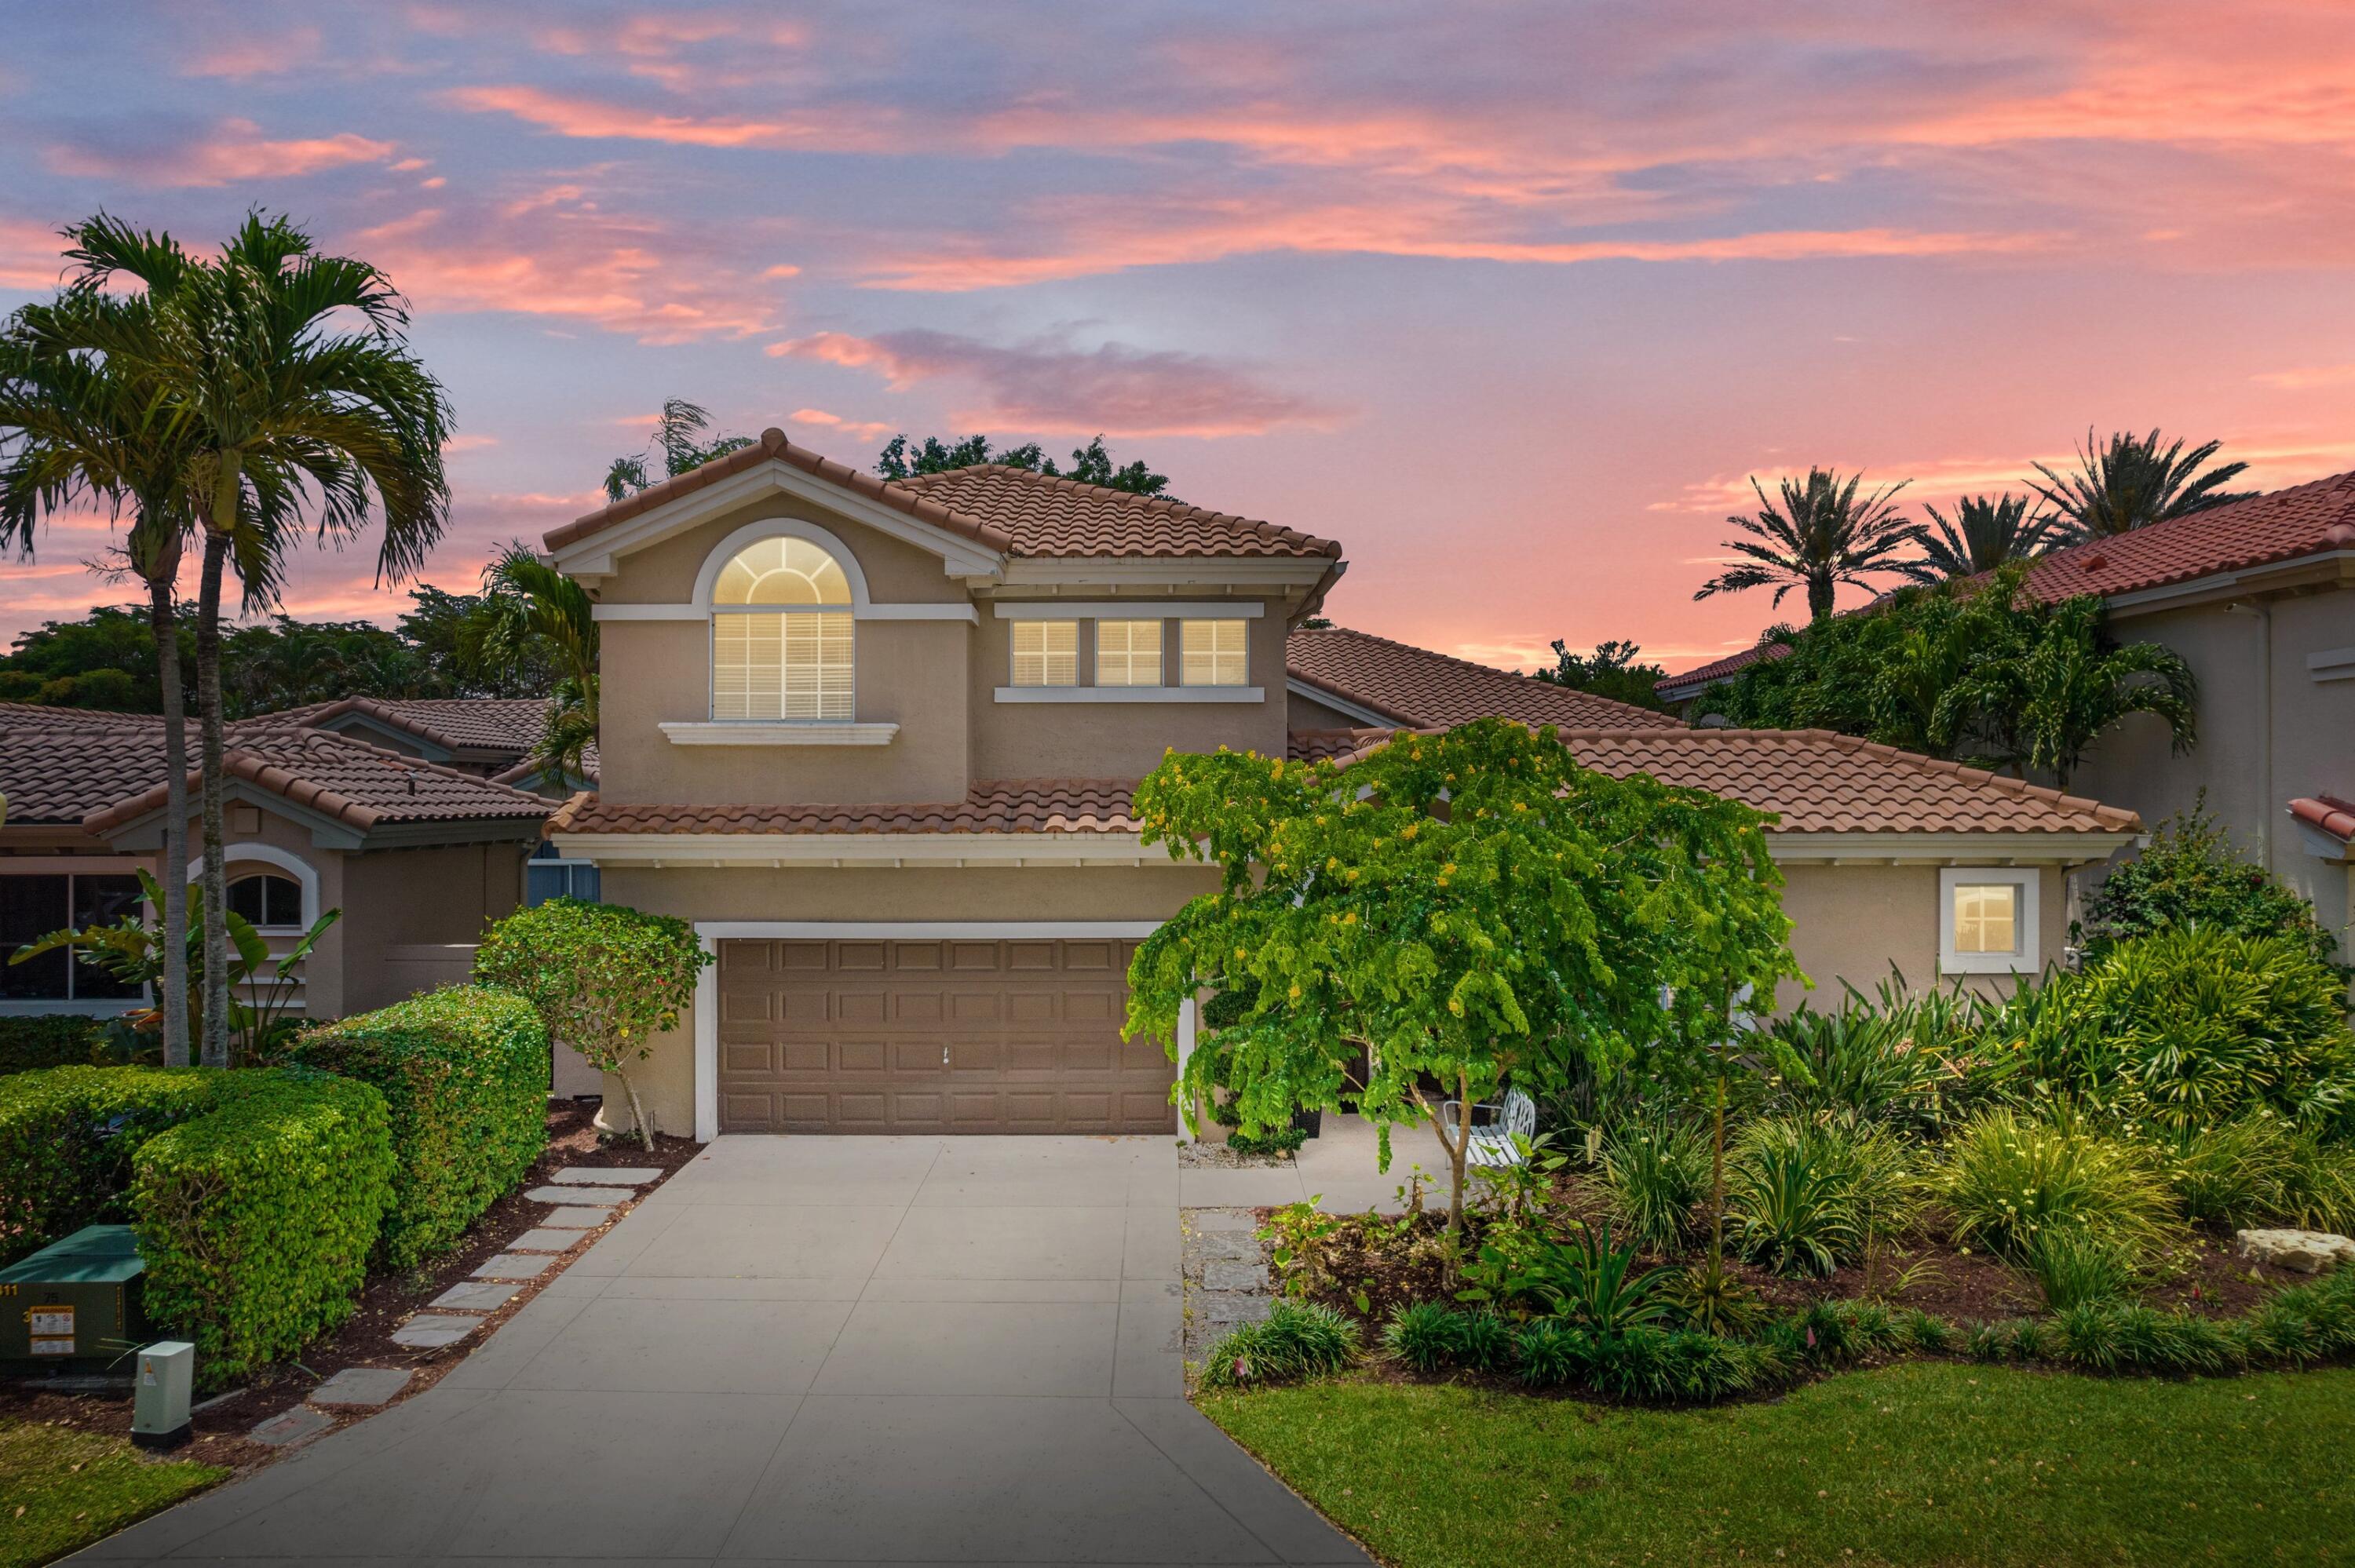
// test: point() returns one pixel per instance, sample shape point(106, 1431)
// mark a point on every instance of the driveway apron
point(809, 1349)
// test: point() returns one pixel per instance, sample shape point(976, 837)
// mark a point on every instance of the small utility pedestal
point(159, 1410)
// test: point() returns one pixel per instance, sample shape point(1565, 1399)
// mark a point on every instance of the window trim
point(1186, 622)
point(70, 866)
point(285, 861)
point(2028, 960)
point(1080, 660)
point(707, 581)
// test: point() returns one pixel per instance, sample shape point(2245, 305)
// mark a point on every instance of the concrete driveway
point(911, 1350)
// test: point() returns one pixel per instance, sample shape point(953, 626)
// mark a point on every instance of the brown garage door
point(948, 1037)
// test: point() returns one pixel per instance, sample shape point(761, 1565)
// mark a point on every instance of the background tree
point(2131, 484)
point(1984, 533)
point(2063, 683)
point(1817, 536)
point(677, 430)
point(1611, 671)
point(530, 609)
point(1092, 464)
point(2191, 874)
point(1472, 909)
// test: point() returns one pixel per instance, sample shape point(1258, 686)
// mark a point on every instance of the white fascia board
point(1127, 609)
point(1949, 849)
point(1157, 571)
point(1310, 692)
point(1131, 695)
point(964, 612)
point(596, 555)
point(2254, 577)
point(761, 851)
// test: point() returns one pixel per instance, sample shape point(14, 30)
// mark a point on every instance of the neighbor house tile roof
point(1420, 688)
point(2326, 814)
point(1005, 806)
point(58, 776)
point(1819, 782)
point(1675, 687)
point(1005, 509)
point(2303, 520)
point(511, 724)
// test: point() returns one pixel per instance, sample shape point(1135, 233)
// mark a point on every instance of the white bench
point(1495, 1144)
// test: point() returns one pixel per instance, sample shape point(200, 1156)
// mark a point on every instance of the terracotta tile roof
point(529, 768)
point(1819, 782)
point(60, 775)
point(1006, 806)
point(1005, 509)
point(22, 718)
point(511, 724)
point(1717, 670)
point(1315, 745)
point(2303, 520)
point(2327, 814)
point(1418, 687)
point(356, 783)
point(1047, 516)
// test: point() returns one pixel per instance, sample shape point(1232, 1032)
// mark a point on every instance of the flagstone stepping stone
point(515, 1266)
point(291, 1426)
point(607, 1175)
point(545, 1239)
point(580, 1219)
point(478, 1296)
point(431, 1330)
point(361, 1385)
point(583, 1194)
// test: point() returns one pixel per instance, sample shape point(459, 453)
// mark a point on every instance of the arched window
point(781, 634)
point(267, 901)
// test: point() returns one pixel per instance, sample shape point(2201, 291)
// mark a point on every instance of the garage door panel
point(964, 1036)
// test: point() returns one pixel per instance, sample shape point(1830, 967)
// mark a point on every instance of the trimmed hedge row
point(67, 1138)
point(34, 1040)
point(463, 1073)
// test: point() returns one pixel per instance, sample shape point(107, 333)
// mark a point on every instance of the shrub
point(1483, 1342)
point(1295, 1340)
point(66, 1138)
point(47, 1040)
point(1657, 1172)
point(2109, 1337)
point(2305, 1322)
point(606, 979)
point(1425, 1335)
point(256, 1221)
point(2009, 1176)
point(2318, 1191)
point(1275, 1140)
point(2236, 1174)
point(2074, 1266)
point(1683, 1367)
point(1787, 1204)
point(1590, 1282)
point(1551, 1352)
point(463, 1073)
point(1886, 1061)
point(2190, 875)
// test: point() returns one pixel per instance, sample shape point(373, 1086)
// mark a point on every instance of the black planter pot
point(1311, 1122)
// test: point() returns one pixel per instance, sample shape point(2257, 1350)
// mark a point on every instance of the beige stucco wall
point(1307, 713)
point(2262, 741)
point(440, 897)
point(1855, 923)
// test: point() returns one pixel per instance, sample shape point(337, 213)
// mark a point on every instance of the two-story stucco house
point(875, 740)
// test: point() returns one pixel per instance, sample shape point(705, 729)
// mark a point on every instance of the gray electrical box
point(159, 1408)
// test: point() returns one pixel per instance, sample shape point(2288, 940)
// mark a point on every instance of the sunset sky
point(1508, 298)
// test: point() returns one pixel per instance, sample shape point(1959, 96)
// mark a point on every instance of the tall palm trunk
point(215, 1049)
point(163, 615)
point(1821, 587)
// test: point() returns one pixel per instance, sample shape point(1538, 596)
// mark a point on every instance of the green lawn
point(1924, 1463)
point(61, 1489)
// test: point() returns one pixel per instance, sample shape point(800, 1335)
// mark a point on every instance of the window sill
point(780, 732)
point(1131, 695)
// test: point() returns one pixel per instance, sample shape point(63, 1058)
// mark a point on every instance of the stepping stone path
point(291, 1427)
point(1224, 1266)
point(361, 1385)
point(583, 1197)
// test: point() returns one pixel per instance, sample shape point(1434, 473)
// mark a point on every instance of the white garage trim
point(711, 933)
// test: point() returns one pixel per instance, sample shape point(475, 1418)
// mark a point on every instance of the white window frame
point(1014, 653)
point(2028, 913)
point(707, 583)
point(283, 861)
point(1214, 620)
point(85, 1007)
point(1129, 655)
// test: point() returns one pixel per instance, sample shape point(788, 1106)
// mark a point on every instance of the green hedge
point(47, 1040)
point(463, 1073)
point(257, 1220)
point(67, 1138)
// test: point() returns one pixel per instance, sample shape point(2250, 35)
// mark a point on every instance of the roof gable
point(1416, 687)
point(2264, 530)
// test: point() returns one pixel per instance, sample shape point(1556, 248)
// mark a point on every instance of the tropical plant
point(289, 417)
point(1788, 1209)
point(1819, 536)
point(1890, 1059)
point(1295, 1340)
point(1092, 464)
point(2189, 873)
point(1590, 1281)
point(1707, 1296)
point(2009, 1176)
point(678, 430)
point(528, 605)
point(1550, 1353)
point(1656, 1170)
point(2131, 484)
point(2242, 1172)
point(2074, 1266)
point(607, 980)
point(2067, 684)
point(1469, 906)
point(1424, 1335)
point(1985, 533)
point(1611, 671)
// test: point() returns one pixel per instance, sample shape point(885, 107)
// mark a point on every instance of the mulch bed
point(366, 1340)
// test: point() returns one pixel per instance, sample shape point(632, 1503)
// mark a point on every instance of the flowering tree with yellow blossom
point(1471, 908)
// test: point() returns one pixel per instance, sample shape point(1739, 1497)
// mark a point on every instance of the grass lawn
point(1922, 1463)
point(61, 1489)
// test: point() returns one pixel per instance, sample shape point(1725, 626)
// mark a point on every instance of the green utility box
point(74, 1302)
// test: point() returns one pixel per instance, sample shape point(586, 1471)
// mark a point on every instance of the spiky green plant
point(1818, 535)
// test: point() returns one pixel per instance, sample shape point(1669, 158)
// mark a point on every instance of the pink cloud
point(30, 255)
point(238, 58)
point(585, 117)
point(857, 429)
point(236, 152)
point(1044, 385)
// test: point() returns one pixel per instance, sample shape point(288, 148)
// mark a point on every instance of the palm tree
point(292, 418)
point(81, 427)
point(2053, 697)
point(676, 429)
point(1984, 533)
point(528, 607)
point(2131, 484)
point(1819, 537)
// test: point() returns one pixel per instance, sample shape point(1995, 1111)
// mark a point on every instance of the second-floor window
point(1128, 653)
point(781, 634)
point(1215, 652)
point(1046, 654)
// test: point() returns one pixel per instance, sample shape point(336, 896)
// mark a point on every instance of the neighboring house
point(875, 740)
point(417, 853)
point(1686, 693)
